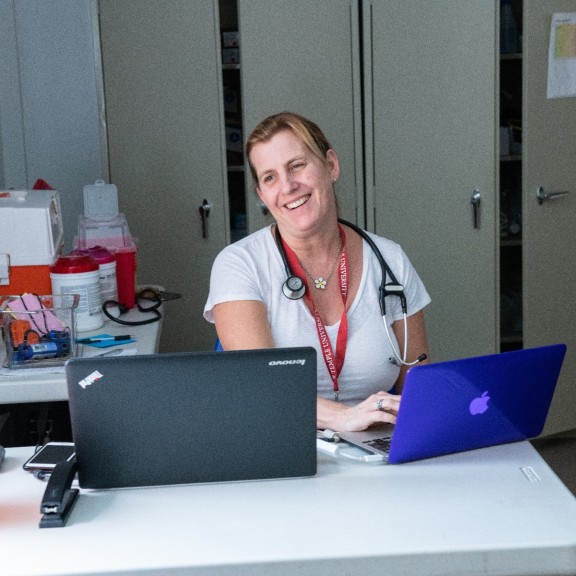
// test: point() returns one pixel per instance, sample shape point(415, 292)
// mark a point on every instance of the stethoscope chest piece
point(294, 287)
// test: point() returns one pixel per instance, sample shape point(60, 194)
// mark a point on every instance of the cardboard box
point(31, 236)
point(230, 56)
point(230, 39)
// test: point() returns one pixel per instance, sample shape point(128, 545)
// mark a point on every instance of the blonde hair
point(306, 130)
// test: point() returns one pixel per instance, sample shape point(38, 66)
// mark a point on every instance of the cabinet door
point(430, 141)
point(549, 242)
point(163, 93)
point(303, 56)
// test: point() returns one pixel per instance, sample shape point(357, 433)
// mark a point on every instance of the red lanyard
point(334, 362)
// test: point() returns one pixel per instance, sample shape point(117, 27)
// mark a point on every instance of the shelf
point(512, 56)
point(233, 118)
point(511, 158)
point(510, 242)
point(511, 339)
point(508, 344)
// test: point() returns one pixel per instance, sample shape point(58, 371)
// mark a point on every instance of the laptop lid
point(193, 417)
point(471, 403)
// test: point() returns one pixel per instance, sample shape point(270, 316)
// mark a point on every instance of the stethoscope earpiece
point(294, 287)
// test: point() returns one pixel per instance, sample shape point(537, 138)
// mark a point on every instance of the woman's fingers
point(379, 408)
point(384, 402)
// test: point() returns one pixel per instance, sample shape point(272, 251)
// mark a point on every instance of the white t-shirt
point(252, 269)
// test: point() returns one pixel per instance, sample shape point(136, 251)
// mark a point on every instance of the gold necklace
point(322, 282)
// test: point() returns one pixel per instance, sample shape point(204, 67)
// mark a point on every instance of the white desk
point(351, 519)
point(33, 385)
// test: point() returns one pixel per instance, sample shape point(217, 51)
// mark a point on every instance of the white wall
point(50, 86)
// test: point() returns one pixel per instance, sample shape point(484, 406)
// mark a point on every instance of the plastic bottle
point(107, 264)
point(508, 29)
point(79, 274)
point(108, 281)
point(125, 274)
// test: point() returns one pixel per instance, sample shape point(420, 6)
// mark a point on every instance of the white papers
point(562, 56)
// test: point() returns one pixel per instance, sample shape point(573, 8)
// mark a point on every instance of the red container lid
point(74, 264)
point(99, 253)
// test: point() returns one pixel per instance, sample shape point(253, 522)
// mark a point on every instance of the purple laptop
point(471, 403)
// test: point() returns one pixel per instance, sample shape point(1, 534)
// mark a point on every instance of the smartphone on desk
point(49, 455)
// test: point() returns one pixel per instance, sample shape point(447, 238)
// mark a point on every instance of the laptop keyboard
point(382, 444)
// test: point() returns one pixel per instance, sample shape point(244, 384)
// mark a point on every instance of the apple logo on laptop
point(480, 404)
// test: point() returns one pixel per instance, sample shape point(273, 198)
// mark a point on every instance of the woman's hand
point(379, 408)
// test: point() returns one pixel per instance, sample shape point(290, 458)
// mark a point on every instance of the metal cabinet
point(162, 67)
point(432, 142)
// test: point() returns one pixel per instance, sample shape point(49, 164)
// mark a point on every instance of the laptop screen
point(469, 403)
point(193, 417)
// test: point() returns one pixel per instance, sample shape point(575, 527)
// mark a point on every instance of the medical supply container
point(31, 237)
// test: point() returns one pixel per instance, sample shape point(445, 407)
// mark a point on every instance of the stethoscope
point(294, 289)
point(147, 294)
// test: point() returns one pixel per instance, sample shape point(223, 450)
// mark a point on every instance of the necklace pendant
point(320, 283)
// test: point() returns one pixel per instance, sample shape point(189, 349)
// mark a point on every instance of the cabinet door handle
point(541, 195)
point(204, 211)
point(476, 208)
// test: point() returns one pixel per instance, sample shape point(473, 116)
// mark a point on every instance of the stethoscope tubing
point(294, 288)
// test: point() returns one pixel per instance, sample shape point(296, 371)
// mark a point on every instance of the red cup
point(126, 276)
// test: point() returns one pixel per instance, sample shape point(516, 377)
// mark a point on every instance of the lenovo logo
point(90, 379)
point(301, 361)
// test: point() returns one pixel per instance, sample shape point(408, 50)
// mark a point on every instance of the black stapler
point(59, 497)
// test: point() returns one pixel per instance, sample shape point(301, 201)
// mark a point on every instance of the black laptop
point(190, 417)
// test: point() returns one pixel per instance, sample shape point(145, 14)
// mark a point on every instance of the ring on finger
point(379, 405)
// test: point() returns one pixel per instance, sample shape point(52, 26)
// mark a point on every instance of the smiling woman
point(363, 349)
point(295, 182)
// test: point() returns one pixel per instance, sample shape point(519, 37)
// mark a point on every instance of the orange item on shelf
point(22, 333)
